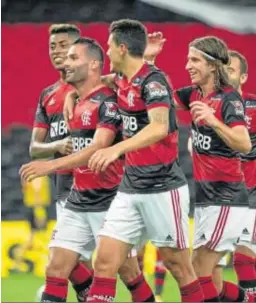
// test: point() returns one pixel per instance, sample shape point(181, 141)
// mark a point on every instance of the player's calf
point(61, 264)
point(111, 255)
point(178, 262)
point(135, 282)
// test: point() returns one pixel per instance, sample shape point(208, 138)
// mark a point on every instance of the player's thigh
point(218, 228)
point(166, 218)
point(248, 236)
point(72, 231)
point(123, 221)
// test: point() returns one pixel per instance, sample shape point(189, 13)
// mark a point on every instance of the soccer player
point(95, 125)
point(245, 252)
point(153, 197)
point(49, 124)
point(219, 135)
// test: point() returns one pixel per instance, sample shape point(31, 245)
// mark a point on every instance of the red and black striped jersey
point(49, 115)
point(92, 191)
point(154, 168)
point(218, 174)
point(249, 160)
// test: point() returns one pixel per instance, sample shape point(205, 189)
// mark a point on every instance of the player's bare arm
point(152, 133)
point(40, 149)
point(102, 138)
point(236, 137)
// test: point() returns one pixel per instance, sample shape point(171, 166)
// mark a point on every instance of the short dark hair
point(64, 28)
point(94, 49)
point(132, 33)
point(241, 58)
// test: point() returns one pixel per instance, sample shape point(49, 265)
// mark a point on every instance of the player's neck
point(132, 66)
point(240, 90)
point(63, 76)
point(85, 88)
point(207, 88)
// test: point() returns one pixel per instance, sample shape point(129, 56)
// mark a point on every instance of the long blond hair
point(215, 51)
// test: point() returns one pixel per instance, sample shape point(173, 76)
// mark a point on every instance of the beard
point(235, 83)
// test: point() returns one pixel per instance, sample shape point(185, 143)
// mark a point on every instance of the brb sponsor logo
point(201, 141)
point(80, 143)
point(129, 123)
point(58, 128)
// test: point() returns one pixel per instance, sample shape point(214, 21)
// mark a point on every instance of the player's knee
point(105, 266)
point(58, 268)
point(180, 269)
point(129, 271)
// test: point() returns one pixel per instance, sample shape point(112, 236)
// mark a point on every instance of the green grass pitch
point(23, 288)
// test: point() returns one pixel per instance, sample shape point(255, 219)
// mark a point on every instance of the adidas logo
point(168, 238)
point(246, 232)
point(203, 237)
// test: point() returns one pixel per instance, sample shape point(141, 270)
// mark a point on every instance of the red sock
point(244, 267)
point(209, 290)
point(102, 290)
point(192, 292)
point(56, 290)
point(81, 279)
point(80, 274)
point(140, 290)
point(233, 293)
point(245, 270)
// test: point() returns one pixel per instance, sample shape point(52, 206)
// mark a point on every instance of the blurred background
point(28, 213)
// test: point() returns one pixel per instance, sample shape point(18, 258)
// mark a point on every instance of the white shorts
point(59, 207)
point(77, 231)
point(159, 217)
point(248, 237)
point(218, 227)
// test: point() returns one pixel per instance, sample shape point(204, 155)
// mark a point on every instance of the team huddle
point(114, 140)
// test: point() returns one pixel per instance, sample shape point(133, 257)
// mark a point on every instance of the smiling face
point(199, 69)
point(59, 45)
point(77, 64)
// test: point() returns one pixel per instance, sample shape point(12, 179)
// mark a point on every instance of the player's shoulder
point(249, 97)
point(48, 90)
point(187, 89)
point(103, 94)
point(229, 94)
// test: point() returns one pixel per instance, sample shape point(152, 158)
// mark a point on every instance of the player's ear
point(243, 78)
point(95, 64)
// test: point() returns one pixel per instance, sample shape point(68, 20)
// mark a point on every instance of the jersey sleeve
point(182, 97)
point(41, 119)
point(109, 116)
point(157, 92)
point(233, 110)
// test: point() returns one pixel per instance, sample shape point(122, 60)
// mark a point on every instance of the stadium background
point(26, 70)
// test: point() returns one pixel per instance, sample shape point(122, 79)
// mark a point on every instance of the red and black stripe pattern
point(94, 191)
point(249, 160)
point(217, 168)
point(154, 168)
